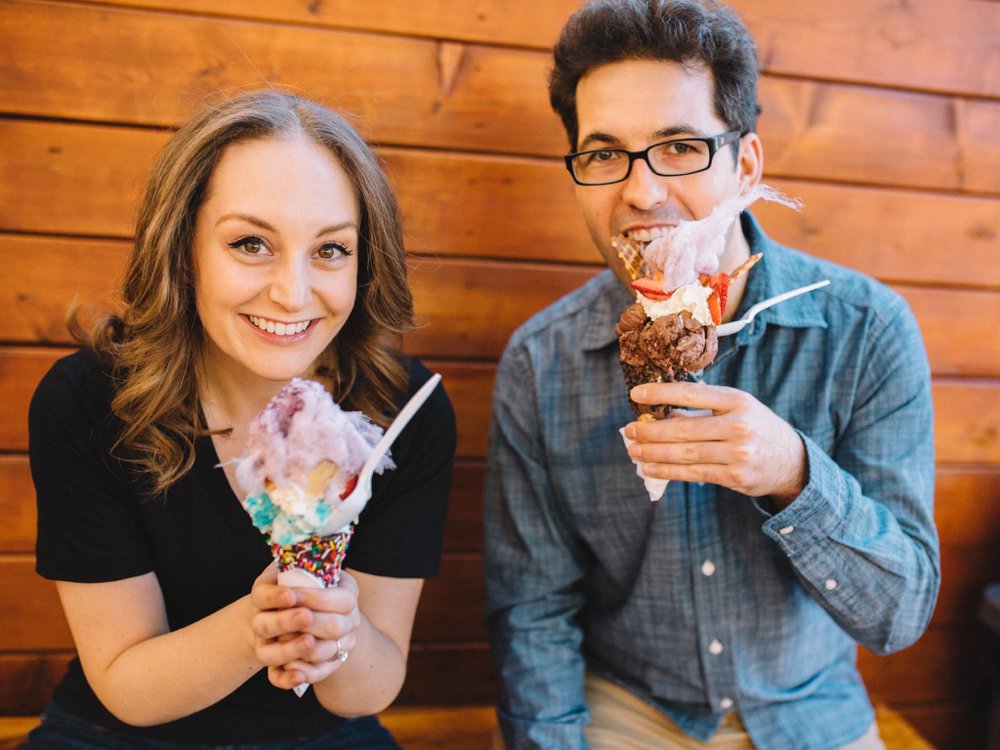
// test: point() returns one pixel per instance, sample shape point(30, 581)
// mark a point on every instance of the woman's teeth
point(281, 329)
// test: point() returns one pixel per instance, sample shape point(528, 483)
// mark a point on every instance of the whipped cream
point(690, 297)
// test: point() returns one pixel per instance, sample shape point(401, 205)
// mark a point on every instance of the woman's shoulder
point(77, 387)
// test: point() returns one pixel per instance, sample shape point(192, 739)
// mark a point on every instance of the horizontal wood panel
point(463, 530)
point(519, 22)
point(17, 506)
point(967, 412)
point(852, 40)
point(922, 44)
point(967, 506)
point(450, 204)
point(31, 615)
point(465, 308)
point(967, 421)
point(110, 60)
point(810, 128)
point(453, 605)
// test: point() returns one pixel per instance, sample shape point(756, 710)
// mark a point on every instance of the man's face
point(632, 105)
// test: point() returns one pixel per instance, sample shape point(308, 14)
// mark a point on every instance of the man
point(798, 521)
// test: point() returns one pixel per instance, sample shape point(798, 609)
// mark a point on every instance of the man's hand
point(743, 446)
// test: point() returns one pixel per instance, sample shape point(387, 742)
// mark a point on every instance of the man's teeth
point(648, 235)
point(281, 329)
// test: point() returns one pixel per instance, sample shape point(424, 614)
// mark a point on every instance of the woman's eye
point(331, 250)
point(250, 245)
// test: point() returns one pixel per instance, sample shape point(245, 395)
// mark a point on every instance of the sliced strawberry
point(351, 484)
point(650, 289)
point(715, 306)
point(719, 282)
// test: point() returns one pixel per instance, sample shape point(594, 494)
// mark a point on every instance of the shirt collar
point(778, 271)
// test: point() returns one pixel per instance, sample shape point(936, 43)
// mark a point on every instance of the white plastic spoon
point(727, 329)
point(340, 518)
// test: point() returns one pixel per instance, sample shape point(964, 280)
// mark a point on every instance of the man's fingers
point(688, 395)
point(681, 453)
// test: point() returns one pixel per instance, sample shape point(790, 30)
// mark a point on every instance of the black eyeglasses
point(606, 166)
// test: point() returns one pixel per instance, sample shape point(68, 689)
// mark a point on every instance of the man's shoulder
point(849, 289)
point(580, 308)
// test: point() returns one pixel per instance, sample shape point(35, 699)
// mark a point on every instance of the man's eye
point(250, 245)
point(604, 156)
point(332, 250)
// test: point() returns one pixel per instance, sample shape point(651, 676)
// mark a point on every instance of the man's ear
point(751, 161)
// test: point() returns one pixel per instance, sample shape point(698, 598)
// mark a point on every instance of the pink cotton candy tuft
point(299, 428)
point(695, 247)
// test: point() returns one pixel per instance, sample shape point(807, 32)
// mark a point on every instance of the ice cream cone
point(313, 562)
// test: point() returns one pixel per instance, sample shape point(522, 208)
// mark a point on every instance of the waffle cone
point(319, 557)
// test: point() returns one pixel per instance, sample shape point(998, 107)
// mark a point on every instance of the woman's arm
point(371, 616)
point(143, 673)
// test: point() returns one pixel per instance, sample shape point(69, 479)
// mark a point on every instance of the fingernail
point(630, 431)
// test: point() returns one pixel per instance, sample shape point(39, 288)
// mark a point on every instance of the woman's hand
point(301, 634)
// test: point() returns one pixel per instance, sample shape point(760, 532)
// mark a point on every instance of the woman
point(268, 246)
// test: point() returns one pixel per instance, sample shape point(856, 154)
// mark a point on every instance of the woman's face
point(275, 258)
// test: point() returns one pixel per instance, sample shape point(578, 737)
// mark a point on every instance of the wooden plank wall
point(881, 116)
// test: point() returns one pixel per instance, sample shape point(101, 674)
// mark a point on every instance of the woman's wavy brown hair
point(155, 345)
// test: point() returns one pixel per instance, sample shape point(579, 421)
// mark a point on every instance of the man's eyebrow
point(673, 131)
point(598, 138)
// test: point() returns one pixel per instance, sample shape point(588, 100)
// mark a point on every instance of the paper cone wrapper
point(656, 487)
point(312, 563)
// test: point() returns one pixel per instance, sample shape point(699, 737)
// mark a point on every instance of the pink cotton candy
point(695, 247)
point(299, 428)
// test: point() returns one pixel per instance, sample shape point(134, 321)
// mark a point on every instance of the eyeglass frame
point(715, 144)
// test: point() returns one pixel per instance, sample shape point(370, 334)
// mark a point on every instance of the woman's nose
point(644, 189)
point(291, 286)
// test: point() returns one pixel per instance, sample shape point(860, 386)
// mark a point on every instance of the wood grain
point(819, 40)
point(810, 128)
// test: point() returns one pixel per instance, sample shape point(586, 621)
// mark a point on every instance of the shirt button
point(786, 531)
point(701, 484)
point(726, 703)
point(707, 568)
point(715, 648)
point(830, 584)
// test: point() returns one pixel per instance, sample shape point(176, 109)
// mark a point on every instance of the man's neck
point(737, 251)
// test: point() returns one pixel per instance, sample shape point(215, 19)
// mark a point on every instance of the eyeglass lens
point(671, 158)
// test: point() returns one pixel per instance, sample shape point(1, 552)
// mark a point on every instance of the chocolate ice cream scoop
point(663, 350)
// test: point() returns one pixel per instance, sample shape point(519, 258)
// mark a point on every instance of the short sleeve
point(89, 526)
point(400, 532)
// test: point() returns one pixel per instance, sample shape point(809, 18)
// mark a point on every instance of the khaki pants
point(619, 720)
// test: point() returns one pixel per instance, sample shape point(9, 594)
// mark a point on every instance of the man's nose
point(643, 188)
point(291, 284)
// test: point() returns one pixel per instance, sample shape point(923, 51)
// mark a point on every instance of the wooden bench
point(472, 727)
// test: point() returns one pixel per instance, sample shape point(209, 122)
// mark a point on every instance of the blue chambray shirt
point(704, 602)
